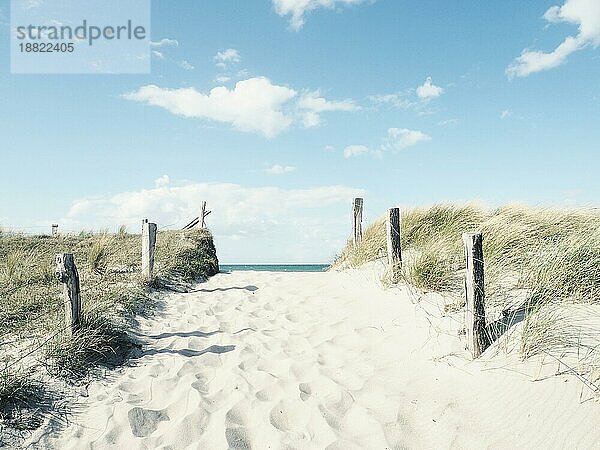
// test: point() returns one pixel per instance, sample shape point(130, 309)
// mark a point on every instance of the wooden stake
point(66, 272)
point(394, 250)
point(148, 247)
point(357, 209)
point(204, 214)
point(477, 337)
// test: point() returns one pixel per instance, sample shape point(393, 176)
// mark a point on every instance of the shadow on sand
point(249, 288)
point(217, 349)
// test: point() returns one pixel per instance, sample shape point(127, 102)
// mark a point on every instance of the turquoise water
point(275, 267)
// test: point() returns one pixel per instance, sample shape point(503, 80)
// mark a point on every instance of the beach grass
point(551, 256)
point(34, 344)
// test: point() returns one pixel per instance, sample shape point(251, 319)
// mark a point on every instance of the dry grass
point(553, 255)
point(33, 344)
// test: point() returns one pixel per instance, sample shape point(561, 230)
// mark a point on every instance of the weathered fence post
point(204, 214)
point(148, 245)
point(54, 229)
point(477, 337)
point(357, 209)
point(66, 272)
point(394, 250)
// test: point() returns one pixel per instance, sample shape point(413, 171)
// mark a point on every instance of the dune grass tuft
point(33, 341)
point(550, 254)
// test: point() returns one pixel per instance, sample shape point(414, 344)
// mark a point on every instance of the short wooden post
point(357, 209)
point(148, 246)
point(394, 250)
point(54, 229)
point(66, 272)
point(477, 337)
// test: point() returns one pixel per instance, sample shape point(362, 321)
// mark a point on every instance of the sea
point(275, 267)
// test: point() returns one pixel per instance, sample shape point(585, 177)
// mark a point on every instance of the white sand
point(323, 360)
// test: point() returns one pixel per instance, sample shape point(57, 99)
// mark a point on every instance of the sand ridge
point(318, 361)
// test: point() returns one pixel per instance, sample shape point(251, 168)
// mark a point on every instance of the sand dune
point(320, 360)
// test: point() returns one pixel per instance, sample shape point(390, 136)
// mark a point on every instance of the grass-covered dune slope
point(544, 263)
point(35, 350)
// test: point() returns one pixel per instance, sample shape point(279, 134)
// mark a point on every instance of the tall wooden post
point(148, 246)
point(394, 250)
point(357, 209)
point(477, 337)
point(203, 223)
point(66, 272)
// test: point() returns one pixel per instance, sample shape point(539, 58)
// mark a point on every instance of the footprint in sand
point(144, 422)
point(270, 393)
point(290, 415)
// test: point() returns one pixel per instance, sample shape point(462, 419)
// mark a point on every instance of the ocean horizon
point(274, 267)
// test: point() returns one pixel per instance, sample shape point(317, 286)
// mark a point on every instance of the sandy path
point(314, 361)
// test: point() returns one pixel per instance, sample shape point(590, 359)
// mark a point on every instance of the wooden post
point(148, 246)
point(394, 250)
point(66, 272)
point(477, 337)
point(357, 209)
point(204, 214)
point(54, 229)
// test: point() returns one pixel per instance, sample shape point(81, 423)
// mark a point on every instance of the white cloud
point(165, 43)
point(429, 90)
point(583, 13)
point(297, 9)
point(355, 150)
point(162, 181)
point(229, 56)
point(399, 100)
point(329, 148)
point(401, 138)
point(222, 79)
point(313, 104)
point(251, 224)
point(33, 4)
point(253, 105)
point(448, 122)
point(313, 101)
point(278, 169)
point(311, 119)
point(186, 65)
point(158, 55)
point(506, 114)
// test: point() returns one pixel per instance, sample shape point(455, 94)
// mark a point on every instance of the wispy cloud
point(583, 13)
point(186, 65)
point(400, 138)
point(278, 169)
point(298, 9)
point(448, 122)
point(225, 57)
point(165, 43)
point(355, 150)
point(417, 99)
point(313, 104)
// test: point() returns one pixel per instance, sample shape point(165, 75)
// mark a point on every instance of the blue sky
point(404, 102)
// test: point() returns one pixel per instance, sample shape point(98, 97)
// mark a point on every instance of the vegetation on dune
point(33, 344)
point(551, 255)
